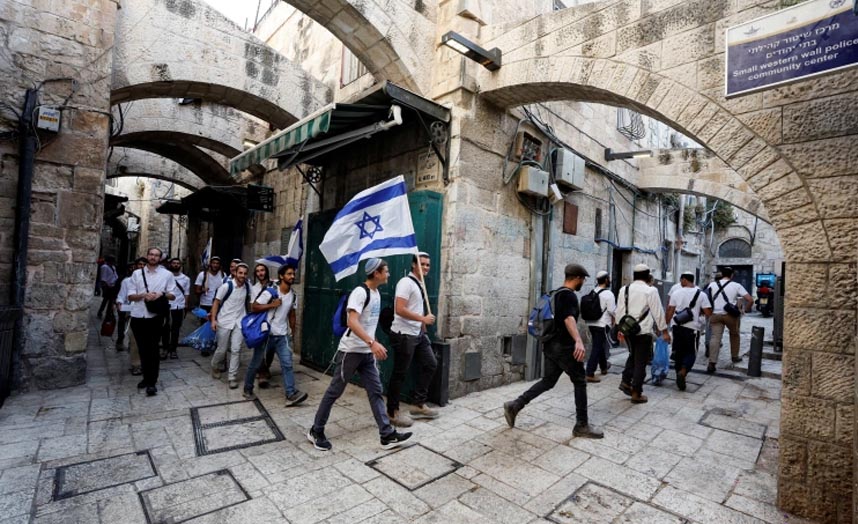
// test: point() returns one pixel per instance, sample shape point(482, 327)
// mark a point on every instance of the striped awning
point(310, 127)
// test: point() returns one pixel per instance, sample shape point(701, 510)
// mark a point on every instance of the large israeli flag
point(375, 223)
point(206, 256)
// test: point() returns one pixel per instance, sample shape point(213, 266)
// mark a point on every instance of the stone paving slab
point(77, 479)
point(708, 454)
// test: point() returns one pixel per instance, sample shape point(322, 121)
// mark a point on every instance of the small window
point(570, 219)
point(597, 233)
point(735, 248)
point(352, 68)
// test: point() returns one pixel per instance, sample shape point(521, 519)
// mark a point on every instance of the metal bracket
point(433, 134)
point(308, 180)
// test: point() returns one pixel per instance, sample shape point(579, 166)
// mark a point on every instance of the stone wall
point(46, 41)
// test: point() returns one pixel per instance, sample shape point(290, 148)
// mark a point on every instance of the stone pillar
point(66, 48)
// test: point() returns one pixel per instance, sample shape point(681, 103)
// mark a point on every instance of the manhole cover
point(232, 425)
point(414, 467)
point(93, 475)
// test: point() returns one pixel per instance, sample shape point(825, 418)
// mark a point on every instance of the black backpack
point(591, 306)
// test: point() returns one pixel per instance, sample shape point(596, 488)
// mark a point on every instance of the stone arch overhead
point(175, 138)
point(221, 124)
point(706, 188)
point(128, 162)
point(391, 38)
point(188, 156)
point(186, 49)
point(783, 191)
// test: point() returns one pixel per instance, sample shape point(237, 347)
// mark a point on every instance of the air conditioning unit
point(532, 181)
point(568, 169)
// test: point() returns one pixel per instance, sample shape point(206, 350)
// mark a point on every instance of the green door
point(322, 292)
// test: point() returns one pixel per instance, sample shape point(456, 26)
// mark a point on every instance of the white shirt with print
point(351, 343)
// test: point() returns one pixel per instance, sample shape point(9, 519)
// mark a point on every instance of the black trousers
point(557, 362)
point(146, 332)
point(405, 349)
point(170, 331)
point(685, 343)
point(109, 297)
point(599, 351)
point(640, 353)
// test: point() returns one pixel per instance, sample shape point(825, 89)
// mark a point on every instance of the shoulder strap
point(422, 296)
point(645, 311)
point(600, 291)
point(143, 274)
point(721, 291)
point(262, 290)
point(179, 286)
point(694, 300)
point(365, 302)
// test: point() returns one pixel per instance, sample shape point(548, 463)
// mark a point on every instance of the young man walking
point(149, 284)
point(107, 277)
point(357, 353)
point(692, 305)
point(725, 296)
point(409, 341)
point(206, 285)
point(641, 301)
point(178, 307)
point(263, 281)
point(229, 307)
point(281, 317)
point(599, 328)
point(564, 353)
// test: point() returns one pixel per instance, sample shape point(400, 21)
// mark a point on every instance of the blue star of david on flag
point(375, 223)
point(365, 221)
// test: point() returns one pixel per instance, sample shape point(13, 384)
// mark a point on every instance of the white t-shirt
point(642, 296)
point(673, 289)
point(409, 290)
point(122, 296)
point(256, 289)
point(733, 290)
point(681, 299)
point(351, 343)
point(107, 274)
point(160, 281)
point(213, 282)
point(279, 317)
point(233, 310)
point(185, 283)
point(608, 304)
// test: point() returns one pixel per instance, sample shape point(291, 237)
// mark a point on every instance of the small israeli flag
point(207, 254)
point(296, 244)
point(375, 223)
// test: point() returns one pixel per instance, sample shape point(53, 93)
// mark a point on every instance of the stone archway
point(665, 61)
point(392, 39)
point(129, 162)
point(188, 156)
point(188, 50)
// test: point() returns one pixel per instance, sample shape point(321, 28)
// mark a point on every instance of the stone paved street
point(197, 452)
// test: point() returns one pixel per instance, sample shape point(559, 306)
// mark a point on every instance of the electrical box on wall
point(48, 119)
point(568, 169)
point(528, 147)
point(532, 181)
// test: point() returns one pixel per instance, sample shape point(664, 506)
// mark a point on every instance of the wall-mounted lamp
point(491, 60)
point(610, 155)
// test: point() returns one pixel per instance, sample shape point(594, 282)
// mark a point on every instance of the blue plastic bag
point(200, 313)
point(660, 361)
point(203, 338)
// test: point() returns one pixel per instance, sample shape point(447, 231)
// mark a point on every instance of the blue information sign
point(812, 38)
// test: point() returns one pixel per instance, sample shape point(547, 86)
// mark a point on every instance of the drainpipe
point(634, 217)
point(680, 231)
point(26, 160)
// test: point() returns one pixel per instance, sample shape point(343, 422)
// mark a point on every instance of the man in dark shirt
point(564, 353)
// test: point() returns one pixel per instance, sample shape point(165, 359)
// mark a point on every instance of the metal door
point(322, 292)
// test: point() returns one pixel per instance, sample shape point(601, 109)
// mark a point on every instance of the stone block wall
point(45, 41)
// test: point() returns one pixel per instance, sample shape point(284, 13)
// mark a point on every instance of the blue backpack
point(255, 327)
point(340, 320)
point(541, 323)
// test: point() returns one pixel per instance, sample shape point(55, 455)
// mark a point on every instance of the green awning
point(295, 134)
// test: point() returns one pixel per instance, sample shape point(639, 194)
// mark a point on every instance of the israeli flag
point(375, 223)
point(296, 244)
point(207, 253)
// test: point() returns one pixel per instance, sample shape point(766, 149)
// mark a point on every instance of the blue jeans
point(347, 365)
point(280, 345)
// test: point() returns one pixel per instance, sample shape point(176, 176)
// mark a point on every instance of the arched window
point(735, 248)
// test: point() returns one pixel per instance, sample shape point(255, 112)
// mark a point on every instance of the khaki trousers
point(717, 323)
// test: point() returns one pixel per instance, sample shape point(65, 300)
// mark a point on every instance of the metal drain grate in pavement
point(232, 425)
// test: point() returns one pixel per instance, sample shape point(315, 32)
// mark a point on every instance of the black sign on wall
point(260, 198)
